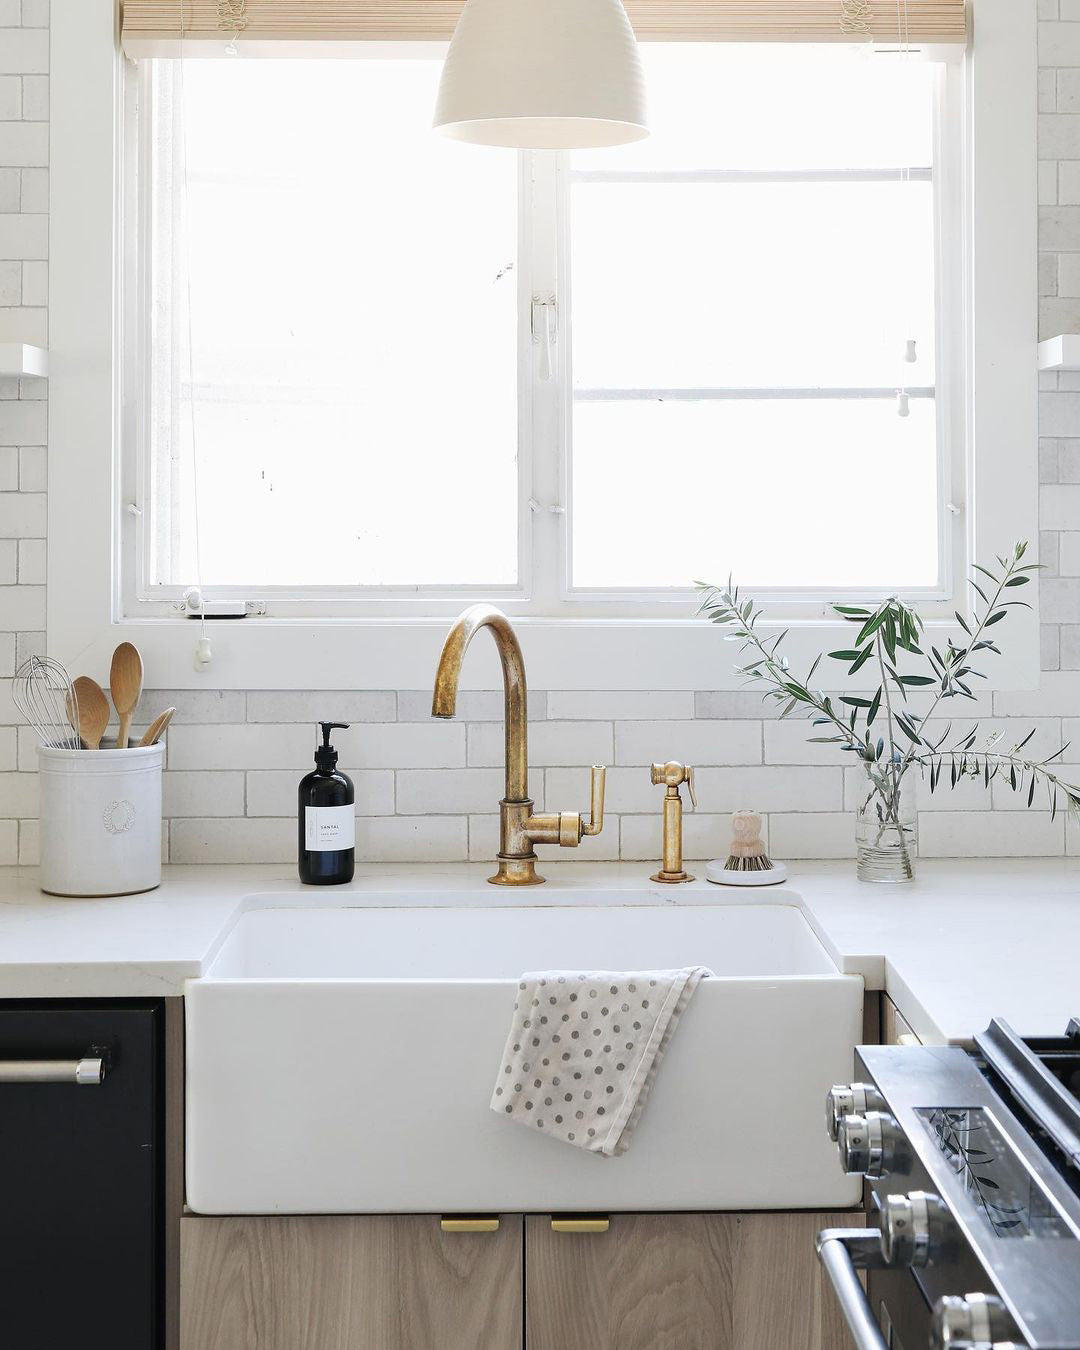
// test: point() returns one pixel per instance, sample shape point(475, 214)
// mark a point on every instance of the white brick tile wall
point(696, 742)
point(430, 790)
point(556, 744)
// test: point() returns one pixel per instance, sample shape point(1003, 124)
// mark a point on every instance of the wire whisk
point(43, 693)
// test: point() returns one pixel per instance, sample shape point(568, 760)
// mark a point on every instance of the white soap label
point(329, 828)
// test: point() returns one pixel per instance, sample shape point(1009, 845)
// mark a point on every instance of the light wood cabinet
point(651, 1282)
point(682, 1282)
point(348, 1283)
point(895, 1029)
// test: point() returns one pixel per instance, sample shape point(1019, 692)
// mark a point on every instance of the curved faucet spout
point(515, 693)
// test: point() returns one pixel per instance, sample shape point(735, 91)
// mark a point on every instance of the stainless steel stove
point(972, 1161)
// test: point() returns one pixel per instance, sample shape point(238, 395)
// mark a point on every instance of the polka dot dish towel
point(583, 1051)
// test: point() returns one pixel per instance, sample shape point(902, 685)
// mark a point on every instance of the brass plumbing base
point(671, 878)
point(516, 872)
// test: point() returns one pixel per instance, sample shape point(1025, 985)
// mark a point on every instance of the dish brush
point(748, 864)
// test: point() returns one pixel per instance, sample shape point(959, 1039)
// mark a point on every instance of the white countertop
point(964, 942)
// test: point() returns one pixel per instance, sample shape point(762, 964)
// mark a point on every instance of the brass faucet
point(672, 774)
point(519, 828)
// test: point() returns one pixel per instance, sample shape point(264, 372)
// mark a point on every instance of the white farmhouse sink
point(341, 1060)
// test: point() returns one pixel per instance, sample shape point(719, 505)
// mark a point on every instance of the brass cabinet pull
point(597, 1224)
point(460, 1224)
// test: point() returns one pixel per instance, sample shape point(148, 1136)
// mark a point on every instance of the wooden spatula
point(92, 715)
point(156, 729)
point(125, 685)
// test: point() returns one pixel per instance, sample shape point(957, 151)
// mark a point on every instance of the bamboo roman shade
point(152, 24)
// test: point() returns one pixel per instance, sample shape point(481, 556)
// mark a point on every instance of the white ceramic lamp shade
point(542, 75)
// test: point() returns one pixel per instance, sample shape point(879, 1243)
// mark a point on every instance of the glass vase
point(886, 828)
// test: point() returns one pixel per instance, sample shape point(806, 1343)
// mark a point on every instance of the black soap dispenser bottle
point(327, 819)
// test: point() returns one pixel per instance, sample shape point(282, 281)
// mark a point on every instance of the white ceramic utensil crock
point(100, 820)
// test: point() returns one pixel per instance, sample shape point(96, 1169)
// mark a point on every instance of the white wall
point(429, 790)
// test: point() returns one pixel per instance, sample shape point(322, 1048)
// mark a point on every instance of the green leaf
point(962, 622)
point(870, 627)
point(854, 702)
point(860, 660)
point(874, 706)
point(853, 610)
point(996, 617)
point(1018, 581)
point(985, 571)
point(845, 655)
point(917, 679)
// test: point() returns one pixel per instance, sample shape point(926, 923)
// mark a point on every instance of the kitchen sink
point(341, 1060)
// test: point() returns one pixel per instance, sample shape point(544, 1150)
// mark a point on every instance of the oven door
point(897, 1301)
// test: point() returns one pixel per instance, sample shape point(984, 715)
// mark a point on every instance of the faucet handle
point(596, 809)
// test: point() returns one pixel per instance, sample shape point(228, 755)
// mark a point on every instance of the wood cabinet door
point(683, 1282)
point(348, 1283)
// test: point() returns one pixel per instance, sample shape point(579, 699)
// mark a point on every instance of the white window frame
point(990, 407)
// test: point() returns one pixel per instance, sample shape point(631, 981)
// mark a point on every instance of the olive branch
point(903, 737)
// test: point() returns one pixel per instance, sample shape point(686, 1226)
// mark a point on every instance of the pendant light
point(542, 75)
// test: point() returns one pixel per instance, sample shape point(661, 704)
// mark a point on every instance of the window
point(421, 371)
point(117, 560)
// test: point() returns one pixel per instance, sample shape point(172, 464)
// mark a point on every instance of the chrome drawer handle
point(842, 1251)
point(84, 1072)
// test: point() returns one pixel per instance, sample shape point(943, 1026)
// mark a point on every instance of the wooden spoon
point(125, 685)
point(156, 729)
point(91, 716)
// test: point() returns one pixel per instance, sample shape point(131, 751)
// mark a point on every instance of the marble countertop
point(966, 941)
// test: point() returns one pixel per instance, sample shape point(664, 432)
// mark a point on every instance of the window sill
point(565, 654)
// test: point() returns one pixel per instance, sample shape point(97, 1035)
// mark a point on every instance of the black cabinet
point(82, 1179)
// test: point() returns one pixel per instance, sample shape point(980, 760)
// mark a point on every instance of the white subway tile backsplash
point(556, 744)
point(350, 705)
point(411, 839)
point(202, 794)
point(236, 840)
point(422, 792)
point(822, 835)
point(771, 787)
point(24, 51)
point(395, 745)
point(240, 747)
point(9, 843)
point(23, 514)
point(697, 742)
point(22, 607)
point(984, 834)
point(626, 705)
point(195, 706)
point(18, 794)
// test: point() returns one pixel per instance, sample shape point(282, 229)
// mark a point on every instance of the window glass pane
point(777, 234)
point(352, 328)
point(792, 493)
point(706, 285)
point(772, 106)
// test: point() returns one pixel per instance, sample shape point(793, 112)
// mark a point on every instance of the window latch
point(545, 332)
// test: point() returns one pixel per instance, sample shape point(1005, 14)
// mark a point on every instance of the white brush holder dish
point(100, 820)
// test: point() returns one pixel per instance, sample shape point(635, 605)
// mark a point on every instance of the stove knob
point(853, 1099)
point(974, 1322)
point(915, 1228)
point(870, 1145)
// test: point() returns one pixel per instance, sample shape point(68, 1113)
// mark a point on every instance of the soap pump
point(326, 853)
